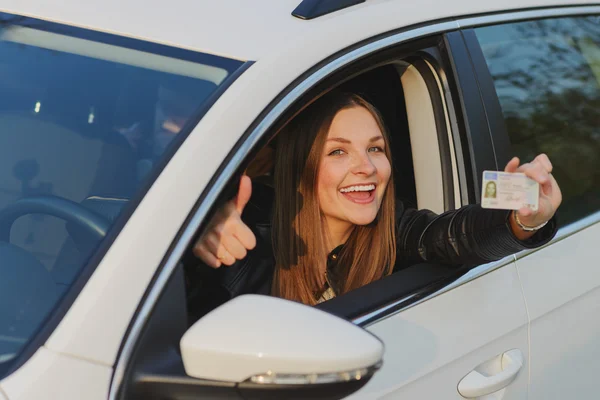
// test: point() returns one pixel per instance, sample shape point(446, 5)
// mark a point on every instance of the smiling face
point(333, 185)
point(354, 171)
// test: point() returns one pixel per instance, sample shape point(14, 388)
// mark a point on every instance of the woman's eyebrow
point(338, 139)
point(342, 140)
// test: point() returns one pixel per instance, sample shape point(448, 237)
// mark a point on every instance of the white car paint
point(234, 29)
point(563, 301)
point(430, 346)
point(50, 375)
point(241, 339)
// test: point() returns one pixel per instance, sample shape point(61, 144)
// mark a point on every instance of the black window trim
point(231, 167)
point(234, 67)
point(477, 146)
point(491, 102)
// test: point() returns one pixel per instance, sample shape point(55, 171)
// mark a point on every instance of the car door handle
point(475, 384)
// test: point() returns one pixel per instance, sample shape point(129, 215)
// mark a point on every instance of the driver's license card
point(508, 191)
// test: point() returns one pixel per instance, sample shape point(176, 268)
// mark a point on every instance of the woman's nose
point(364, 165)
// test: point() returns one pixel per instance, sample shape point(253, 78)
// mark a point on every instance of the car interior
point(402, 95)
point(86, 94)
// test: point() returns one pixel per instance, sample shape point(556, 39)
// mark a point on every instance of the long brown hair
point(299, 234)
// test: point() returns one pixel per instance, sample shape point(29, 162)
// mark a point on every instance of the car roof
point(251, 29)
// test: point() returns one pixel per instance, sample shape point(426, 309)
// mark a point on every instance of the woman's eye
point(336, 152)
point(375, 149)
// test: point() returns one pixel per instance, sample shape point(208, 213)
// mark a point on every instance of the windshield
point(84, 125)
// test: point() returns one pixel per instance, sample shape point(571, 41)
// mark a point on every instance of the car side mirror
point(275, 348)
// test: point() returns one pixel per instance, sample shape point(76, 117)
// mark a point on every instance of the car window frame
point(437, 67)
point(221, 186)
point(498, 130)
point(474, 153)
point(234, 67)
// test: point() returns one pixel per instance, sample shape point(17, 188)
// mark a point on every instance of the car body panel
point(49, 375)
point(266, 26)
point(430, 347)
point(561, 284)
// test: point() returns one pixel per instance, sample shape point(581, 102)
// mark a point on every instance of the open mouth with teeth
point(360, 194)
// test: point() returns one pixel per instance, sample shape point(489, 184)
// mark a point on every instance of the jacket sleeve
point(470, 235)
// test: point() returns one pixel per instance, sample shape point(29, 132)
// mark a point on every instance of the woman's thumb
point(244, 193)
point(512, 165)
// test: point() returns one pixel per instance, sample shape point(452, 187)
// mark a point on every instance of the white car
point(125, 124)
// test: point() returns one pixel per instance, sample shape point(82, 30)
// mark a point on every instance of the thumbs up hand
point(227, 238)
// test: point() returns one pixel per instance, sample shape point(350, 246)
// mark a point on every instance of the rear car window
point(547, 76)
point(85, 123)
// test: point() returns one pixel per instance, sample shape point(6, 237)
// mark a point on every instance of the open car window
point(409, 96)
point(87, 121)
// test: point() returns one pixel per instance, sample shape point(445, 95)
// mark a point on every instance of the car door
point(546, 73)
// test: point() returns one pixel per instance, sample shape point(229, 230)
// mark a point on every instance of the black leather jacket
point(469, 235)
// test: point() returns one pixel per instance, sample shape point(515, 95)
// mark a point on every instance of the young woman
point(335, 225)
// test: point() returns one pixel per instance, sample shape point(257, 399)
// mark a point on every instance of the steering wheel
point(58, 207)
point(26, 286)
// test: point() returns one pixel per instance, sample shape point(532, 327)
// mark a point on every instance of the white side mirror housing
point(264, 339)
